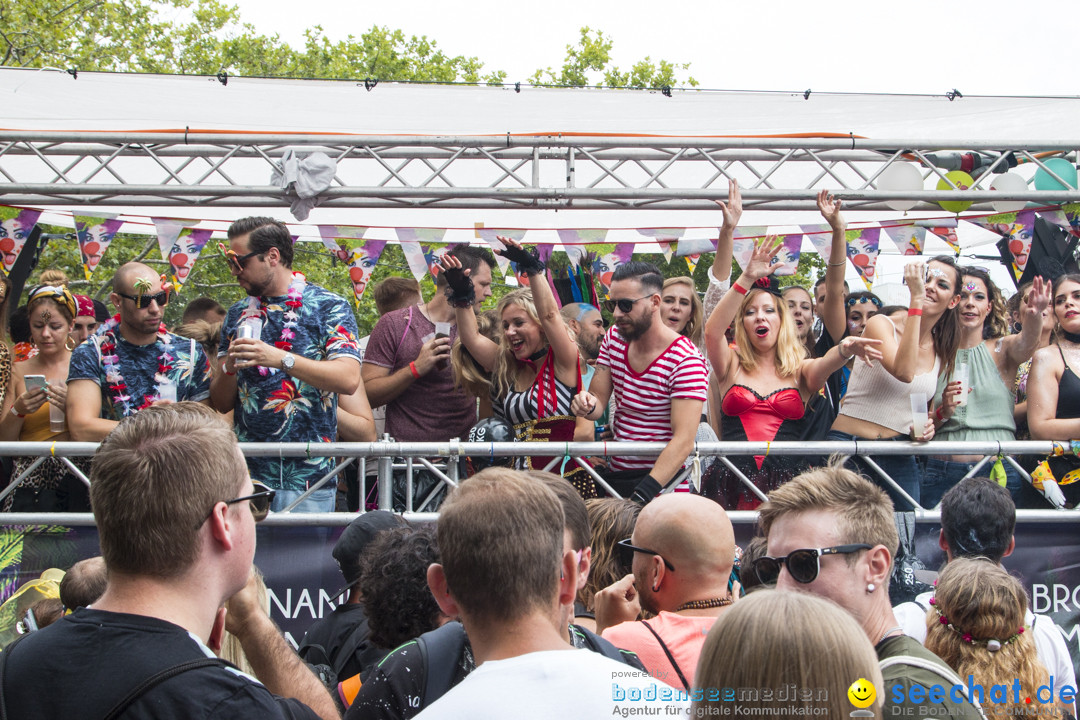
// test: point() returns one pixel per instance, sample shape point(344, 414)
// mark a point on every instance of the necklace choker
point(703, 604)
point(1071, 337)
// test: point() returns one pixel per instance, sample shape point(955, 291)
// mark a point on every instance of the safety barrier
point(440, 459)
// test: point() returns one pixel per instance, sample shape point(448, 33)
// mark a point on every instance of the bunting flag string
point(94, 234)
point(820, 235)
point(180, 245)
point(16, 224)
point(909, 239)
point(336, 237)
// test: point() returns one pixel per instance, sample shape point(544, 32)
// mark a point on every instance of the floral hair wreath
point(992, 644)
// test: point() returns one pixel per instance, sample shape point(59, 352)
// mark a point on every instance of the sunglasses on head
point(864, 299)
point(803, 565)
point(627, 550)
point(143, 301)
point(236, 262)
point(624, 304)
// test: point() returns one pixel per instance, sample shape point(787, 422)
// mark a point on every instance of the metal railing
point(440, 459)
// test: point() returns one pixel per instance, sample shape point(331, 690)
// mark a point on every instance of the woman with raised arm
point(535, 367)
point(767, 380)
point(991, 359)
point(877, 405)
point(1054, 397)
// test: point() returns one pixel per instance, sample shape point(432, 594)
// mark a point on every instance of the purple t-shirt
point(431, 409)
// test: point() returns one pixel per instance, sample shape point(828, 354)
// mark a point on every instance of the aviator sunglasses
point(803, 565)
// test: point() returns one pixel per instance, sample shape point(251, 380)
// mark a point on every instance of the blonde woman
point(681, 309)
point(535, 366)
point(771, 639)
point(767, 380)
point(976, 625)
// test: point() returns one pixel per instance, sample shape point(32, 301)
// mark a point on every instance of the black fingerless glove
point(527, 261)
point(459, 288)
point(646, 490)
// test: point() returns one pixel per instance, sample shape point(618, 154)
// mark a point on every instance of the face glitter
point(971, 288)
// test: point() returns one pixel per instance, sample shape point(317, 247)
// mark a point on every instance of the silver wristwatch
point(288, 362)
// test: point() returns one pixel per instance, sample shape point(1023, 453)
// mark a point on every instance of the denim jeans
point(940, 475)
point(322, 500)
point(903, 469)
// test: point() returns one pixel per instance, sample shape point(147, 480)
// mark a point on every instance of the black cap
point(101, 312)
point(360, 532)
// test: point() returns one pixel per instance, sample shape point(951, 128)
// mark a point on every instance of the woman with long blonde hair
point(766, 381)
point(681, 309)
point(976, 625)
point(535, 367)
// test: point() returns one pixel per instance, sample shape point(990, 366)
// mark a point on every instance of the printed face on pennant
point(12, 238)
point(363, 265)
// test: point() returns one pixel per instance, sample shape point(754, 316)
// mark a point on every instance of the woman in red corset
point(766, 380)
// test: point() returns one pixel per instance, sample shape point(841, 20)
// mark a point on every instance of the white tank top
point(876, 396)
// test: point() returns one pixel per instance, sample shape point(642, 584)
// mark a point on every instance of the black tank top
point(1068, 404)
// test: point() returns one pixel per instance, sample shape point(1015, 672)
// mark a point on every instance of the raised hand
point(862, 347)
point(829, 207)
point(732, 209)
point(915, 279)
point(527, 261)
point(1038, 299)
point(761, 261)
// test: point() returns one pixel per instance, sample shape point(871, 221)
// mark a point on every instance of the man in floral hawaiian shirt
point(289, 350)
point(132, 362)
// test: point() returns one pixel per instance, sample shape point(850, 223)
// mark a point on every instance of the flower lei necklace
point(110, 361)
point(257, 309)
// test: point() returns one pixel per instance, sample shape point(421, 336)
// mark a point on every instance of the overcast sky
point(922, 46)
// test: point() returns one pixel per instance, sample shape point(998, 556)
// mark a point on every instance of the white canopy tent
point(523, 157)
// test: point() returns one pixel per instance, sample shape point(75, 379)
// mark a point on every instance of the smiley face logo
point(862, 693)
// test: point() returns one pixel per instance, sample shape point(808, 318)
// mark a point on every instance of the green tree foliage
point(589, 63)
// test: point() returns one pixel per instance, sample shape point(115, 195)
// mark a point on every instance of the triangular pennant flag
point(605, 265)
point(909, 238)
point(432, 255)
point(820, 235)
point(1018, 228)
point(414, 256)
point(576, 237)
point(660, 234)
point(95, 233)
point(490, 236)
point(168, 230)
point(362, 265)
point(790, 251)
point(862, 250)
point(184, 252)
point(667, 249)
point(575, 254)
point(742, 246)
point(336, 237)
point(948, 234)
point(1066, 217)
point(692, 261)
point(694, 246)
point(16, 224)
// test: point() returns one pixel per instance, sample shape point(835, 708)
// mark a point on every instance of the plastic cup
point(919, 414)
point(964, 378)
point(252, 328)
point(57, 421)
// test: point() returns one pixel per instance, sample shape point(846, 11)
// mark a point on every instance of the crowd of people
point(491, 611)
point(749, 361)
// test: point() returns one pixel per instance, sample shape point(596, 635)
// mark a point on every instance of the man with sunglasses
point(288, 350)
point(682, 552)
point(659, 380)
point(132, 362)
point(831, 532)
point(176, 513)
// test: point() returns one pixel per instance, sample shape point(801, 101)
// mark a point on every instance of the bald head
point(692, 533)
point(128, 273)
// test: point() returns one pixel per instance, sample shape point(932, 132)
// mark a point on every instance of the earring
point(655, 588)
point(870, 587)
point(70, 343)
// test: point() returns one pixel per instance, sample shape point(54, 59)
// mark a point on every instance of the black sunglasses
point(143, 301)
point(628, 551)
point(260, 502)
point(803, 565)
point(236, 262)
point(624, 304)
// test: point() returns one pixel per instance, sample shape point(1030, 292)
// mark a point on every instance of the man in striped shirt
point(657, 375)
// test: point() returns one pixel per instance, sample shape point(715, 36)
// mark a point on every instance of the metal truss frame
point(524, 172)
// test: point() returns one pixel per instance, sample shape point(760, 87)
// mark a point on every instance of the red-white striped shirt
point(643, 400)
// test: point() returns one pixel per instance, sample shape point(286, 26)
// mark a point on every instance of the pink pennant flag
point(336, 239)
point(1018, 228)
point(16, 224)
point(862, 251)
point(908, 238)
point(1066, 217)
point(605, 265)
point(362, 265)
point(414, 256)
point(184, 252)
point(95, 233)
point(790, 250)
